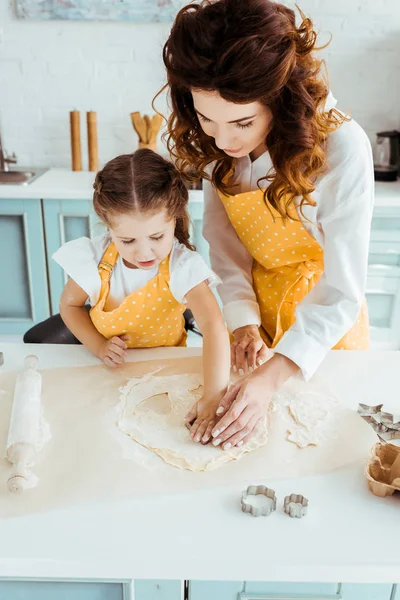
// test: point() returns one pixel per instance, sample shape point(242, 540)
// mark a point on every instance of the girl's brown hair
point(143, 181)
point(247, 51)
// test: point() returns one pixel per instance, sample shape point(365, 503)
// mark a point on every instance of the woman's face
point(238, 129)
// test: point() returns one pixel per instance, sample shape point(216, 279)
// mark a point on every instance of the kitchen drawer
point(384, 253)
point(158, 589)
point(367, 591)
point(385, 224)
point(247, 590)
point(235, 590)
point(61, 590)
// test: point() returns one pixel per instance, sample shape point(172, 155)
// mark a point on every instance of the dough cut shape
point(163, 431)
point(310, 413)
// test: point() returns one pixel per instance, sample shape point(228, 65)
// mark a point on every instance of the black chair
point(54, 331)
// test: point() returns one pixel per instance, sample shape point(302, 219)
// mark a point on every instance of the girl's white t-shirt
point(80, 259)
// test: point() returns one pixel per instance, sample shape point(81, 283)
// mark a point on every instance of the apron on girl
point(288, 262)
point(149, 317)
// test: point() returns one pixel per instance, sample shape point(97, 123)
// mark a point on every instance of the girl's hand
point(113, 352)
point(201, 419)
point(249, 350)
point(245, 404)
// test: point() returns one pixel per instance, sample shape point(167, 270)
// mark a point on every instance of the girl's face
point(238, 129)
point(143, 239)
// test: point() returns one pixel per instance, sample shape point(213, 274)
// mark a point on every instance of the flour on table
point(152, 411)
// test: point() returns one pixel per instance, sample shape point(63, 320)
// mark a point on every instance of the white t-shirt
point(340, 222)
point(80, 258)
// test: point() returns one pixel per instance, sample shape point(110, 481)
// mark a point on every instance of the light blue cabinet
point(65, 220)
point(24, 297)
point(383, 283)
point(49, 590)
point(261, 590)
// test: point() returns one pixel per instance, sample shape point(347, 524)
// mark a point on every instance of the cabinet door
point(269, 590)
point(65, 220)
point(60, 590)
point(24, 297)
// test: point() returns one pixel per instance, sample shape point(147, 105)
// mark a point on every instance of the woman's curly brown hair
point(247, 51)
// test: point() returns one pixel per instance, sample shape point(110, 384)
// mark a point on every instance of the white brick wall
point(50, 68)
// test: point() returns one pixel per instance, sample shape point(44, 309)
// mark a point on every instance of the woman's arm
point(112, 352)
point(331, 308)
point(216, 360)
point(233, 264)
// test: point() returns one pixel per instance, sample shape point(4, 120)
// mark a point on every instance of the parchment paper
point(86, 461)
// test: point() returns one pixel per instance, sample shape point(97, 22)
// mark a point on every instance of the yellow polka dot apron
point(288, 262)
point(149, 317)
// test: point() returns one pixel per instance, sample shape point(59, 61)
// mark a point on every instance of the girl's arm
point(216, 360)
point(73, 299)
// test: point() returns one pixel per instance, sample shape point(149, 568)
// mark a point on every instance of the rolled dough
point(157, 423)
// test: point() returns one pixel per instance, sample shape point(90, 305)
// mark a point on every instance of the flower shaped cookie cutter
point(258, 501)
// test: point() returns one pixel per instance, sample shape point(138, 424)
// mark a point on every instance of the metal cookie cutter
point(295, 506)
point(266, 504)
point(381, 422)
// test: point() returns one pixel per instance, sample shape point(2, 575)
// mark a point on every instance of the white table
point(348, 535)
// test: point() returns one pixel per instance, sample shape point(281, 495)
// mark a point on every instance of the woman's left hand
point(245, 404)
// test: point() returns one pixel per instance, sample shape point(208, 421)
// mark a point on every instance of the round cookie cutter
point(267, 507)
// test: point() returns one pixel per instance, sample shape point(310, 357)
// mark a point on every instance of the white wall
point(50, 68)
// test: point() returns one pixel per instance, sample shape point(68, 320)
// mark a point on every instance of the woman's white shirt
point(340, 222)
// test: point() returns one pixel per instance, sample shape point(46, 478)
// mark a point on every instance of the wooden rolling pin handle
point(76, 151)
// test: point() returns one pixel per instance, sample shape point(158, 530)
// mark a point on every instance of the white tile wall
point(50, 68)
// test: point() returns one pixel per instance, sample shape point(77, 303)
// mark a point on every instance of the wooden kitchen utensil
point(23, 434)
point(93, 152)
point(76, 151)
point(147, 129)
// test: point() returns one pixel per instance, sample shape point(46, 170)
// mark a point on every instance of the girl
point(141, 275)
point(288, 196)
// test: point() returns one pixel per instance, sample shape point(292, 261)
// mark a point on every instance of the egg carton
point(383, 469)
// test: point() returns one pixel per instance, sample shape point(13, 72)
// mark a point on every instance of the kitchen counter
point(348, 535)
point(63, 184)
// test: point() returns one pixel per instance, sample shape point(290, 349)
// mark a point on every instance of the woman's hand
point(249, 350)
point(245, 405)
point(201, 419)
point(113, 352)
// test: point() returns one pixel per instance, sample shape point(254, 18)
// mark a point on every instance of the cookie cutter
point(295, 506)
point(267, 507)
point(381, 422)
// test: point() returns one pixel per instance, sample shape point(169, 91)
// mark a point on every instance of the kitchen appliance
point(387, 156)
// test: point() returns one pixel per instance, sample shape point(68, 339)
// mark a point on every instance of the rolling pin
point(23, 433)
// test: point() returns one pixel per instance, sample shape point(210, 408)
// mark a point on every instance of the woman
point(288, 195)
